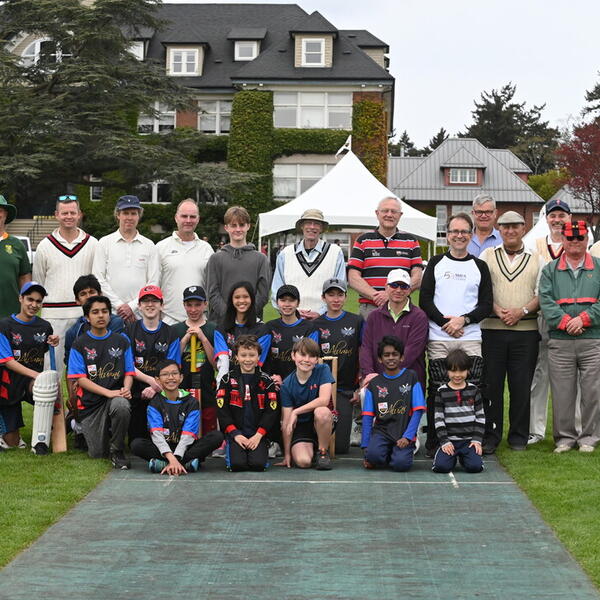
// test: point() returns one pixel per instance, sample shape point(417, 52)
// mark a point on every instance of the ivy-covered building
point(285, 86)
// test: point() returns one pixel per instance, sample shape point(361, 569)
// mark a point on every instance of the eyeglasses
point(481, 213)
point(67, 198)
point(391, 211)
point(169, 375)
point(399, 284)
point(459, 232)
point(579, 238)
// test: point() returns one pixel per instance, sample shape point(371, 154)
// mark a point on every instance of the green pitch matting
point(292, 534)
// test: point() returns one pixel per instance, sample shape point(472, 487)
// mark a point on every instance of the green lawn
point(37, 491)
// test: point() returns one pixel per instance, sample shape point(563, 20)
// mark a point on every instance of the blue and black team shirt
point(150, 348)
point(224, 340)
point(26, 342)
point(116, 325)
point(396, 403)
point(342, 337)
point(283, 338)
point(294, 394)
point(104, 360)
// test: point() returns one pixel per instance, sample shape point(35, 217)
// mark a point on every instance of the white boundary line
point(320, 482)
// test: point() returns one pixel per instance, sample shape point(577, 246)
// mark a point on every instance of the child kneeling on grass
point(307, 418)
point(248, 408)
point(459, 418)
point(175, 447)
point(393, 406)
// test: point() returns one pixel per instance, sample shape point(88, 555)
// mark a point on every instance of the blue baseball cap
point(33, 286)
point(557, 204)
point(128, 202)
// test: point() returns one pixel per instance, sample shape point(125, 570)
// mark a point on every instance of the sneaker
point(21, 445)
point(275, 450)
point(3, 444)
point(156, 465)
point(586, 448)
point(356, 434)
point(119, 460)
point(193, 466)
point(323, 460)
point(534, 439)
point(40, 449)
point(219, 452)
point(562, 448)
point(417, 446)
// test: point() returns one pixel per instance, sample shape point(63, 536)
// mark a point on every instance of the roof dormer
point(185, 60)
point(313, 42)
point(246, 42)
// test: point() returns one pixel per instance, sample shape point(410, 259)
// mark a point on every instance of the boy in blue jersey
point(175, 447)
point(392, 408)
point(102, 364)
point(305, 400)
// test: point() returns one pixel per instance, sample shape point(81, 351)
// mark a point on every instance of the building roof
point(511, 161)
point(425, 180)
point(364, 39)
point(247, 33)
point(314, 23)
point(463, 158)
point(212, 25)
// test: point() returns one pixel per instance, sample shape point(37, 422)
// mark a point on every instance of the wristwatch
point(467, 319)
point(525, 311)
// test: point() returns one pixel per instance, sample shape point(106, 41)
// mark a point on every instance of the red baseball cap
point(151, 290)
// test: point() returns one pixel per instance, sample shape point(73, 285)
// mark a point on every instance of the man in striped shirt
point(378, 252)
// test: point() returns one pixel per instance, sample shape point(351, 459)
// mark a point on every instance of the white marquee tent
point(348, 195)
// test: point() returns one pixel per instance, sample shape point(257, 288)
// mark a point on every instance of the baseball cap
point(194, 292)
point(151, 290)
point(334, 282)
point(288, 290)
point(510, 217)
point(128, 202)
point(398, 275)
point(33, 286)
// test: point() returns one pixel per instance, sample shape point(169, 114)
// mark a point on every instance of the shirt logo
point(140, 346)
point(382, 407)
point(39, 337)
point(92, 370)
point(276, 337)
point(348, 331)
point(8, 248)
point(91, 354)
point(325, 333)
point(404, 389)
point(382, 392)
point(115, 352)
point(325, 347)
point(16, 338)
point(374, 253)
point(230, 339)
point(297, 338)
point(161, 347)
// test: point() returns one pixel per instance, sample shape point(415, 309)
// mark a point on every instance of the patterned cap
point(574, 228)
point(151, 290)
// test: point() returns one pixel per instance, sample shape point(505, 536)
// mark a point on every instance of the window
point(155, 192)
point(214, 116)
point(310, 110)
point(441, 214)
point(163, 122)
point(45, 52)
point(313, 52)
point(95, 188)
point(289, 180)
point(461, 208)
point(246, 50)
point(184, 62)
point(137, 49)
point(468, 176)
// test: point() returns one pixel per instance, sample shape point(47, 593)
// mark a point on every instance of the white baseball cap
point(398, 275)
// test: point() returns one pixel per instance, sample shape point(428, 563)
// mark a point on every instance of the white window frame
point(219, 113)
point(184, 62)
point(138, 49)
point(327, 105)
point(441, 214)
point(299, 177)
point(33, 58)
point(306, 53)
point(95, 190)
point(154, 191)
point(253, 44)
point(462, 176)
point(159, 123)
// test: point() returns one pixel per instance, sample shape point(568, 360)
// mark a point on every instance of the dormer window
point(137, 49)
point(463, 176)
point(184, 61)
point(313, 52)
point(44, 52)
point(246, 50)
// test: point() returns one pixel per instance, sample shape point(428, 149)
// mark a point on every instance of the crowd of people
point(166, 353)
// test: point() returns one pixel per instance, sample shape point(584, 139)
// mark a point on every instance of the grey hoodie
point(231, 265)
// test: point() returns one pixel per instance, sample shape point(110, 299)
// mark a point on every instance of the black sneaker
point(119, 460)
point(323, 460)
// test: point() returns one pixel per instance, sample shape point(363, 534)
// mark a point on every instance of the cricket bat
point(195, 383)
point(59, 432)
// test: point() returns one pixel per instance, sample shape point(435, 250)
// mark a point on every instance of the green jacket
point(564, 296)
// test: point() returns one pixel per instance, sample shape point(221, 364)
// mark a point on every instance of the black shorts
point(305, 432)
point(12, 416)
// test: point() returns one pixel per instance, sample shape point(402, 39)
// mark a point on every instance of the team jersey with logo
point(149, 348)
point(224, 340)
point(391, 401)
point(283, 338)
point(104, 360)
point(26, 342)
point(342, 337)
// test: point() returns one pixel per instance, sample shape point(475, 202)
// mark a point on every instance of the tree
point(593, 98)
point(547, 184)
point(404, 146)
point(500, 122)
point(438, 139)
point(580, 156)
point(73, 111)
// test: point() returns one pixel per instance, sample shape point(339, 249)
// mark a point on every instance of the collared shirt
point(492, 240)
point(396, 316)
point(181, 265)
point(123, 267)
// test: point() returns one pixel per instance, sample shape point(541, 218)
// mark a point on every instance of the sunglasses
point(399, 284)
point(67, 198)
point(579, 238)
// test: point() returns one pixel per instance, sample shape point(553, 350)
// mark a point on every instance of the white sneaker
point(21, 443)
point(356, 434)
point(275, 450)
point(534, 439)
point(586, 448)
point(562, 448)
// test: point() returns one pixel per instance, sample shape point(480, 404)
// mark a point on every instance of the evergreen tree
point(438, 139)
